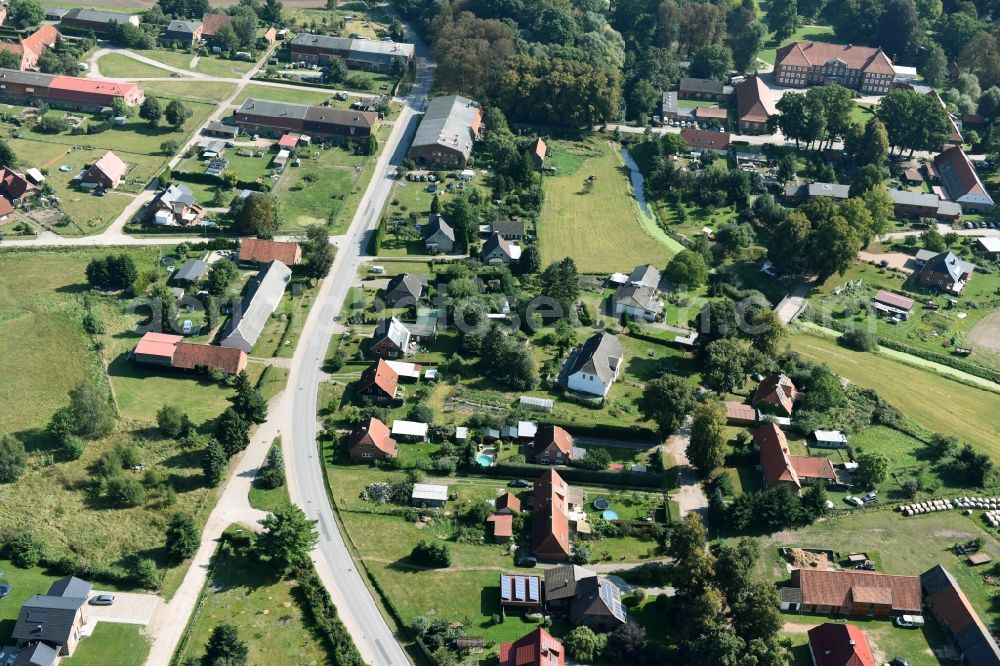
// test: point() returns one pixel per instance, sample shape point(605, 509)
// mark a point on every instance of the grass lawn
point(281, 333)
point(887, 641)
point(600, 227)
point(198, 91)
point(812, 33)
point(211, 65)
point(316, 192)
point(117, 66)
point(962, 413)
point(298, 96)
point(111, 644)
point(24, 583)
point(266, 611)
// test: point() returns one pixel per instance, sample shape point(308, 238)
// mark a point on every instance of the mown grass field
point(812, 33)
point(933, 401)
point(117, 66)
point(204, 91)
point(599, 226)
point(300, 96)
point(111, 645)
point(265, 610)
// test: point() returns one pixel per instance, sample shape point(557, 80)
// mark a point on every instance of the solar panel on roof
point(533, 588)
point(505, 587)
point(519, 588)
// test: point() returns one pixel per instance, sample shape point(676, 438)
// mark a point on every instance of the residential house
point(552, 499)
point(176, 206)
point(31, 47)
point(646, 275)
point(776, 395)
point(702, 89)
point(520, 592)
point(829, 439)
point(989, 245)
point(275, 119)
point(501, 527)
point(862, 68)
point(497, 250)
point(741, 414)
point(182, 32)
point(508, 503)
point(779, 467)
point(945, 272)
point(851, 593)
point(754, 105)
point(65, 92)
point(699, 140)
point(36, 654)
point(961, 182)
point(379, 382)
point(802, 193)
point(510, 230)
point(258, 252)
point(552, 446)
point(191, 272)
point(210, 24)
point(538, 648)
point(561, 583)
point(597, 604)
point(538, 152)
point(955, 613)
point(439, 237)
point(391, 339)
point(429, 495)
point(403, 291)
point(171, 351)
point(906, 204)
point(85, 20)
point(14, 186)
point(262, 298)
point(369, 54)
point(637, 301)
point(6, 212)
point(594, 367)
point(838, 644)
point(370, 440)
point(106, 173)
point(220, 130)
point(57, 618)
point(448, 129)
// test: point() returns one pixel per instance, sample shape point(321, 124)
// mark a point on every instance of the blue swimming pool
point(610, 515)
point(485, 460)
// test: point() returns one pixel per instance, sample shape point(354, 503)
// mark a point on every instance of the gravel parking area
point(128, 608)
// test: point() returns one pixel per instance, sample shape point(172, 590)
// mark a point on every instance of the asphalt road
point(334, 564)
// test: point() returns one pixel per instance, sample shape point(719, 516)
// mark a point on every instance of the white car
point(853, 501)
point(910, 621)
point(187, 326)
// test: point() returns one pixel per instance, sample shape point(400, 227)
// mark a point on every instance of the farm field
point(265, 609)
point(961, 413)
point(599, 227)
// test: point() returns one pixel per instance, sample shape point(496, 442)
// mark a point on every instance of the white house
point(637, 301)
point(429, 494)
point(830, 439)
point(594, 367)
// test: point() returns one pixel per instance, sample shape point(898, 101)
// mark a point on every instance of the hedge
point(208, 179)
point(602, 477)
point(324, 615)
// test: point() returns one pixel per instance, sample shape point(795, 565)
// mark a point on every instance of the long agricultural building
point(446, 133)
point(367, 54)
point(65, 92)
point(275, 119)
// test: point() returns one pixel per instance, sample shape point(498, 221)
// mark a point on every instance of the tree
point(248, 402)
point(26, 550)
point(287, 538)
point(125, 491)
point(814, 500)
point(272, 474)
point(146, 575)
point(687, 269)
point(627, 643)
point(712, 62)
point(7, 155)
point(232, 431)
point(734, 567)
point(10, 60)
point(746, 45)
point(224, 647)
point(725, 365)
point(560, 281)
point(707, 446)
point(974, 469)
point(756, 615)
point(172, 422)
point(317, 251)
point(176, 113)
point(113, 272)
point(874, 144)
point(26, 13)
point(868, 177)
point(169, 147)
point(823, 390)
point(221, 275)
point(767, 332)
point(933, 64)
point(182, 537)
point(583, 645)
point(214, 462)
point(954, 30)
point(225, 38)
point(255, 216)
point(13, 459)
point(92, 412)
point(530, 262)
point(933, 240)
point(783, 19)
point(667, 400)
point(150, 111)
point(913, 120)
point(694, 568)
point(272, 12)
point(872, 469)
point(942, 446)
point(880, 207)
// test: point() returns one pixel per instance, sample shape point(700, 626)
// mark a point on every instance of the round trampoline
point(601, 503)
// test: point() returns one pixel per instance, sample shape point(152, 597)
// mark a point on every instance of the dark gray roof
point(405, 286)
point(183, 26)
point(366, 50)
point(448, 121)
point(177, 197)
point(96, 16)
point(394, 330)
point(216, 126)
point(72, 587)
point(261, 299)
point(192, 270)
point(597, 597)
point(948, 264)
point(647, 275)
point(509, 227)
point(953, 609)
point(345, 117)
point(25, 78)
point(595, 356)
point(496, 242)
point(39, 654)
point(322, 41)
point(265, 107)
point(638, 296)
point(829, 190)
point(45, 618)
point(436, 225)
point(561, 581)
point(706, 86)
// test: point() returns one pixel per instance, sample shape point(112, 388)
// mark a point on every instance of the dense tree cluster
point(112, 272)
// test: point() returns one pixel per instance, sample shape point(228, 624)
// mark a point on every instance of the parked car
point(910, 621)
point(870, 497)
point(519, 483)
point(853, 501)
point(899, 661)
point(527, 561)
point(103, 600)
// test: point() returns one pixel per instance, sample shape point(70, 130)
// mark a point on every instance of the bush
point(324, 616)
point(859, 340)
point(147, 576)
point(26, 550)
point(125, 491)
point(72, 448)
point(13, 459)
point(430, 554)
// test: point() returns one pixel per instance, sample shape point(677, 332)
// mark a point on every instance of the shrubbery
point(430, 554)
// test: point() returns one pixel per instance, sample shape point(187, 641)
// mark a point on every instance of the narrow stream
point(637, 182)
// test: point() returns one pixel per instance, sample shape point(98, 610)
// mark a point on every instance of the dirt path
point(986, 333)
point(796, 627)
point(690, 496)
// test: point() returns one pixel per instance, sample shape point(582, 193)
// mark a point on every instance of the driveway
point(897, 260)
point(129, 608)
point(690, 495)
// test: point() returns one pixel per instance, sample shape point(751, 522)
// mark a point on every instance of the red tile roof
point(289, 140)
point(738, 411)
point(553, 437)
point(840, 645)
point(44, 38)
point(189, 356)
point(774, 457)
point(540, 149)
point(158, 344)
point(5, 208)
point(264, 251)
point(382, 375)
point(966, 181)
point(840, 588)
point(101, 86)
point(753, 101)
point(111, 166)
point(711, 112)
point(777, 390)
point(503, 524)
point(704, 139)
point(550, 524)
point(817, 54)
point(813, 468)
point(538, 648)
point(14, 185)
point(508, 501)
point(895, 300)
point(374, 432)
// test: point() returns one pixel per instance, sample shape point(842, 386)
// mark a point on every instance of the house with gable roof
point(595, 366)
point(862, 68)
point(370, 440)
point(961, 182)
point(56, 619)
point(943, 271)
point(776, 395)
point(439, 236)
